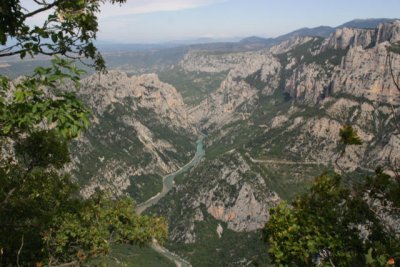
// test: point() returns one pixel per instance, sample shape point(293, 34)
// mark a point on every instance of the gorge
point(272, 122)
point(271, 112)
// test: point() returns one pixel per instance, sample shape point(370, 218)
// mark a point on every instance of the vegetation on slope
point(194, 87)
point(44, 220)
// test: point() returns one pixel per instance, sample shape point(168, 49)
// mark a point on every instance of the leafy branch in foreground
point(335, 226)
point(43, 218)
point(348, 136)
point(68, 30)
point(35, 102)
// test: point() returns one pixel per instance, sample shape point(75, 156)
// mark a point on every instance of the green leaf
point(54, 37)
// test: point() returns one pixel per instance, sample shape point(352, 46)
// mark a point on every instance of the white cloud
point(151, 6)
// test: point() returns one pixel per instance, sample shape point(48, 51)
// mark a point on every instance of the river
point(168, 183)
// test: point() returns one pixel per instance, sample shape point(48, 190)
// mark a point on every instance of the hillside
point(273, 124)
point(272, 118)
point(140, 133)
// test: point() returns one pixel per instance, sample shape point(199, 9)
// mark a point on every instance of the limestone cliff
point(345, 38)
point(140, 132)
point(228, 189)
point(235, 97)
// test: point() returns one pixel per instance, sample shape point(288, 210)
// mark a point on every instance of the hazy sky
point(140, 21)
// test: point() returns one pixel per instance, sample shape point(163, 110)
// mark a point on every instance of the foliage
point(349, 136)
point(324, 227)
point(255, 80)
point(68, 30)
point(43, 218)
point(99, 223)
point(30, 108)
point(193, 86)
point(57, 226)
point(394, 48)
point(132, 256)
point(231, 249)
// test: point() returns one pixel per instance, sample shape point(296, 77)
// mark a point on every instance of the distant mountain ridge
point(272, 118)
point(272, 125)
point(365, 23)
point(320, 31)
point(245, 44)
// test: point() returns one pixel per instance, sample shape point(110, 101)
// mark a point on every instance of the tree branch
point(13, 53)
point(9, 194)
point(395, 81)
point(8, 48)
point(20, 249)
point(37, 11)
point(68, 264)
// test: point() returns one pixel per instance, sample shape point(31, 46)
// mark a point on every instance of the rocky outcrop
point(145, 91)
point(226, 189)
point(288, 45)
point(366, 73)
point(388, 32)
point(246, 214)
point(363, 72)
point(140, 133)
point(309, 83)
point(236, 95)
point(203, 62)
point(221, 107)
point(345, 38)
point(349, 37)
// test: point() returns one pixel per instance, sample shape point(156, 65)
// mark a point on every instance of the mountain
point(321, 31)
point(203, 40)
point(140, 133)
point(255, 39)
point(146, 58)
point(365, 23)
point(236, 44)
point(273, 124)
point(272, 117)
point(271, 113)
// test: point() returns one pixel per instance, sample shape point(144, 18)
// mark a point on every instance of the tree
point(69, 29)
point(43, 219)
point(335, 226)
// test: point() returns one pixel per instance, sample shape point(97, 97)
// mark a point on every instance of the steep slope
point(229, 202)
point(140, 132)
point(273, 125)
point(365, 23)
point(330, 87)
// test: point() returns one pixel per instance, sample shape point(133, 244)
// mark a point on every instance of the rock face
point(141, 132)
point(350, 37)
point(363, 71)
point(283, 109)
point(145, 91)
point(310, 83)
point(288, 45)
point(366, 73)
point(227, 189)
point(202, 62)
point(241, 210)
point(273, 124)
point(235, 96)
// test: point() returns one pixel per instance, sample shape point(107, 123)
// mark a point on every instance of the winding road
point(168, 183)
point(287, 162)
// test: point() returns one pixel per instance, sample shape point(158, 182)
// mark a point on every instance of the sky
point(155, 21)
